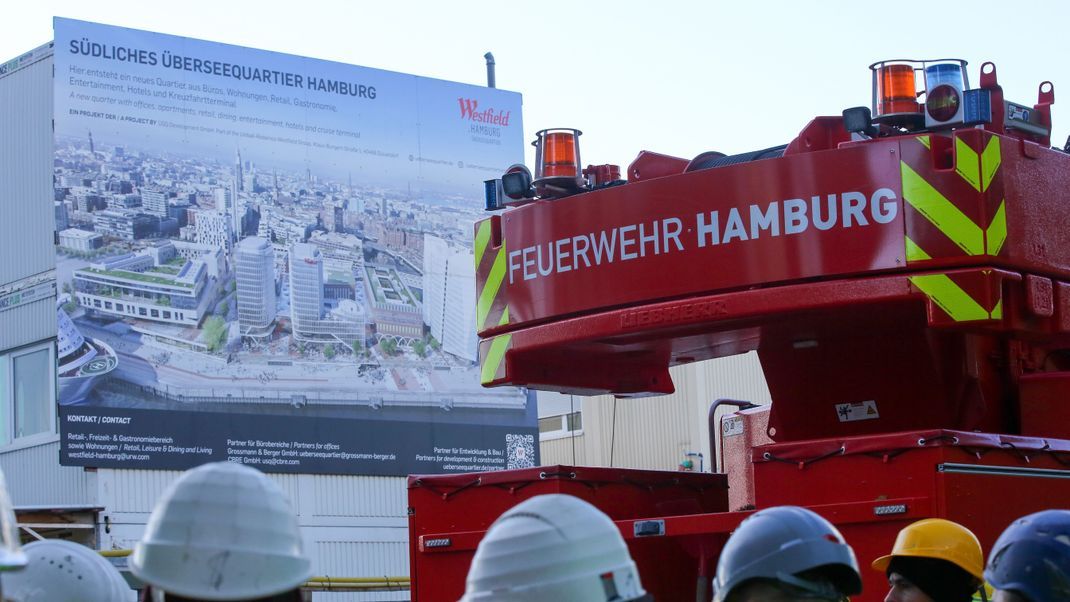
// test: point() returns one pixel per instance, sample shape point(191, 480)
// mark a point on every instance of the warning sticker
point(732, 426)
point(859, 410)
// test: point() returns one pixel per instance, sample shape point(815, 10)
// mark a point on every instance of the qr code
point(520, 451)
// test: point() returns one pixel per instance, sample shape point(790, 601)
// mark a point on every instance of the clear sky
point(670, 76)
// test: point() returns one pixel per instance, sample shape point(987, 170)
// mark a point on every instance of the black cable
point(613, 434)
point(572, 431)
point(710, 160)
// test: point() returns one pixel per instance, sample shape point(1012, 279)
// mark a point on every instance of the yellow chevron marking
point(950, 297)
point(968, 163)
point(914, 252)
point(990, 162)
point(941, 212)
point(996, 234)
point(924, 140)
point(482, 238)
point(490, 289)
point(494, 358)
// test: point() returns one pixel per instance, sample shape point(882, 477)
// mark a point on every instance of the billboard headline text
point(170, 60)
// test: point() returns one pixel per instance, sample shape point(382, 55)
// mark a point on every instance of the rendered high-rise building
point(154, 202)
point(62, 217)
point(307, 317)
point(238, 173)
point(449, 296)
point(214, 228)
point(306, 287)
point(254, 272)
point(236, 187)
point(222, 198)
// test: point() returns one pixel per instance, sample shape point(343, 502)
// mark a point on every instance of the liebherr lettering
point(852, 209)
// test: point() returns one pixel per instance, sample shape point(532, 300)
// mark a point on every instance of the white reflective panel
point(33, 404)
point(5, 402)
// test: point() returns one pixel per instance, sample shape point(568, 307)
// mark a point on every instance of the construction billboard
point(268, 259)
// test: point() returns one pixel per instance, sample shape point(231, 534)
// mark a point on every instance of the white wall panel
point(564, 451)
point(366, 557)
point(656, 432)
point(136, 491)
point(35, 478)
point(291, 485)
point(352, 496)
point(353, 526)
point(401, 595)
point(651, 433)
point(29, 323)
point(26, 194)
point(336, 513)
point(133, 491)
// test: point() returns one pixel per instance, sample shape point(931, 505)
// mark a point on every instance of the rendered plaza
point(207, 275)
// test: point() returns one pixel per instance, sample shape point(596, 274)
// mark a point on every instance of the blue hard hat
point(1032, 557)
point(783, 543)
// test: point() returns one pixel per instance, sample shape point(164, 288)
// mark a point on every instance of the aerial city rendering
point(197, 281)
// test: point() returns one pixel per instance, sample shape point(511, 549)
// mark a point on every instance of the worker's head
point(553, 547)
point(818, 588)
point(786, 553)
point(933, 559)
point(63, 571)
point(1031, 559)
point(222, 531)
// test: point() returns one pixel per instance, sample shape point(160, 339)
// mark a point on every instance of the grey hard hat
point(780, 543)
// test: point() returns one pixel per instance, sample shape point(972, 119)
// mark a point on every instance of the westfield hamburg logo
point(470, 111)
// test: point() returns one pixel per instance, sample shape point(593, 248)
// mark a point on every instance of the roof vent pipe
point(490, 69)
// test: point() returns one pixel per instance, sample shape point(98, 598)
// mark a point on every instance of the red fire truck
point(902, 271)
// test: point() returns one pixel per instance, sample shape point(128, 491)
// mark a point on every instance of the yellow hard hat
point(941, 539)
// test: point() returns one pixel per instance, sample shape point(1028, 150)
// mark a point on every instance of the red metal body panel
point(890, 349)
point(858, 521)
point(659, 258)
point(979, 480)
point(874, 458)
point(649, 165)
point(870, 487)
point(814, 358)
point(1021, 177)
point(460, 508)
point(549, 281)
point(1044, 407)
point(966, 206)
point(933, 312)
point(1038, 219)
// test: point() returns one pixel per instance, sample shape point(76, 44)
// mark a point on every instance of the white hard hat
point(553, 547)
point(222, 531)
point(63, 571)
point(11, 554)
